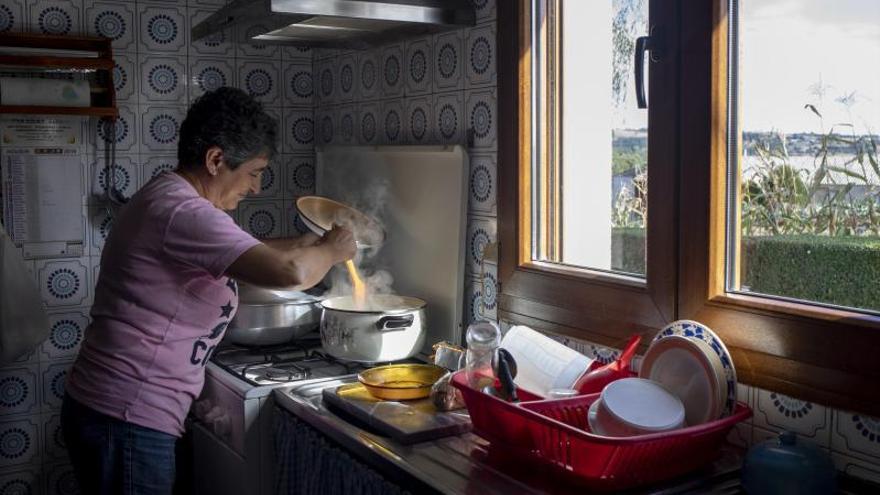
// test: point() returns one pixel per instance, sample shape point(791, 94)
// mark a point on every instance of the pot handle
point(394, 323)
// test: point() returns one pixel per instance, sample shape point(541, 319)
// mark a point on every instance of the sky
point(789, 49)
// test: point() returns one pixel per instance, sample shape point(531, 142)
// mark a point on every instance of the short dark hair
point(232, 120)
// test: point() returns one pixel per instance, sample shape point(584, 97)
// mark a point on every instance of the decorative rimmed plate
point(696, 330)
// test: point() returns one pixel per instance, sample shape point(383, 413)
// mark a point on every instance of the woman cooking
point(167, 291)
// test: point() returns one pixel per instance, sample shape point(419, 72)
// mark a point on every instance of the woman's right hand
point(341, 242)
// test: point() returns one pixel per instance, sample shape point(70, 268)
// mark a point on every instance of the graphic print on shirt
point(205, 346)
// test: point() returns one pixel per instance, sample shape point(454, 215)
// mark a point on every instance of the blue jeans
point(111, 456)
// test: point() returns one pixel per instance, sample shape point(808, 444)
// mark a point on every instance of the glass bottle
point(483, 338)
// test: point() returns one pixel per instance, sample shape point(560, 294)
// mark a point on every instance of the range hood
point(333, 23)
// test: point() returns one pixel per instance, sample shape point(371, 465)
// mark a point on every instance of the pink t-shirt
point(161, 306)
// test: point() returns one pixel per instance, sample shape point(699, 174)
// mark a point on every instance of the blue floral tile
point(485, 10)
point(775, 412)
point(489, 284)
point(54, 376)
point(208, 74)
point(392, 122)
point(857, 468)
point(160, 128)
point(299, 85)
point(208, 3)
point(66, 331)
point(18, 390)
point(449, 120)
point(25, 480)
point(218, 44)
point(418, 66)
point(64, 283)
point(162, 28)
point(480, 50)
point(480, 232)
point(299, 173)
point(857, 435)
point(262, 219)
point(271, 181)
point(325, 81)
point(482, 118)
point(448, 63)
point(473, 304)
point(122, 176)
point(419, 119)
point(392, 80)
point(12, 16)
point(296, 54)
point(482, 186)
point(19, 442)
point(261, 80)
point(325, 53)
point(299, 130)
point(325, 123)
point(113, 20)
point(346, 78)
point(368, 124)
point(347, 118)
point(155, 165)
point(255, 49)
point(293, 224)
point(163, 79)
point(60, 480)
point(56, 17)
point(124, 131)
point(368, 74)
point(54, 447)
point(125, 78)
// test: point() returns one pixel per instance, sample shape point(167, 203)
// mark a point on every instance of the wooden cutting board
point(406, 422)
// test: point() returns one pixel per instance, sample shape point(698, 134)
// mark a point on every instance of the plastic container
point(555, 433)
point(483, 338)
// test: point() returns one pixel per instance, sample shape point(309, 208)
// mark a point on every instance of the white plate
point(690, 370)
point(640, 406)
point(695, 330)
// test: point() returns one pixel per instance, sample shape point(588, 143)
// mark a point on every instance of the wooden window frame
point(828, 356)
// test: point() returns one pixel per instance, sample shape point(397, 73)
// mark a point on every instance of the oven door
point(222, 410)
point(218, 470)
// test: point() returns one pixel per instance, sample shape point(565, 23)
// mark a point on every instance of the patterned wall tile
point(481, 55)
point(858, 468)
point(18, 390)
point(449, 118)
point(325, 125)
point(54, 447)
point(25, 481)
point(482, 118)
point(206, 74)
point(64, 283)
point(485, 10)
point(489, 284)
point(299, 130)
point(56, 17)
point(473, 307)
point(100, 223)
point(481, 231)
point(125, 80)
point(296, 54)
point(122, 176)
point(217, 44)
point(12, 16)
point(299, 87)
point(19, 442)
point(775, 412)
point(256, 49)
point(293, 224)
point(325, 78)
point(155, 165)
point(448, 62)
point(740, 435)
point(346, 124)
point(160, 128)
point(857, 435)
point(66, 331)
point(162, 79)
point(113, 20)
point(162, 28)
point(53, 376)
point(418, 66)
point(299, 173)
point(261, 79)
point(262, 219)
point(419, 119)
point(347, 78)
point(368, 75)
point(271, 180)
point(124, 131)
point(60, 480)
point(367, 129)
point(392, 123)
point(210, 3)
point(393, 79)
point(325, 53)
point(482, 185)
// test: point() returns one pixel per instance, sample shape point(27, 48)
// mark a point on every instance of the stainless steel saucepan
point(272, 316)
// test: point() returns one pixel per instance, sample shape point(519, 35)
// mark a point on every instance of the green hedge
point(835, 270)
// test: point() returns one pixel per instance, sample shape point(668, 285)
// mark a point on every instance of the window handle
point(643, 44)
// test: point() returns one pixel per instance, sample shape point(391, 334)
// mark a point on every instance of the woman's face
point(232, 186)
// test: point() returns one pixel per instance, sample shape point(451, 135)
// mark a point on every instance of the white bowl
point(636, 406)
point(692, 371)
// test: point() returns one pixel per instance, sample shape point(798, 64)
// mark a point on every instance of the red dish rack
point(556, 433)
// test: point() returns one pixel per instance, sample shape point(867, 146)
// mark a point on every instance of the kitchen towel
point(23, 321)
point(44, 92)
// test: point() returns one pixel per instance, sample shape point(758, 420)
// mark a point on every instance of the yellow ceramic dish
point(401, 381)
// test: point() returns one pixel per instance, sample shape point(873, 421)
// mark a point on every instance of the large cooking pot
point(272, 316)
point(387, 328)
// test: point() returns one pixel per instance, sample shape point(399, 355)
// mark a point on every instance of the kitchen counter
point(462, 464)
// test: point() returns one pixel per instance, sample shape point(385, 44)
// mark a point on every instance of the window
point(705, 159)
